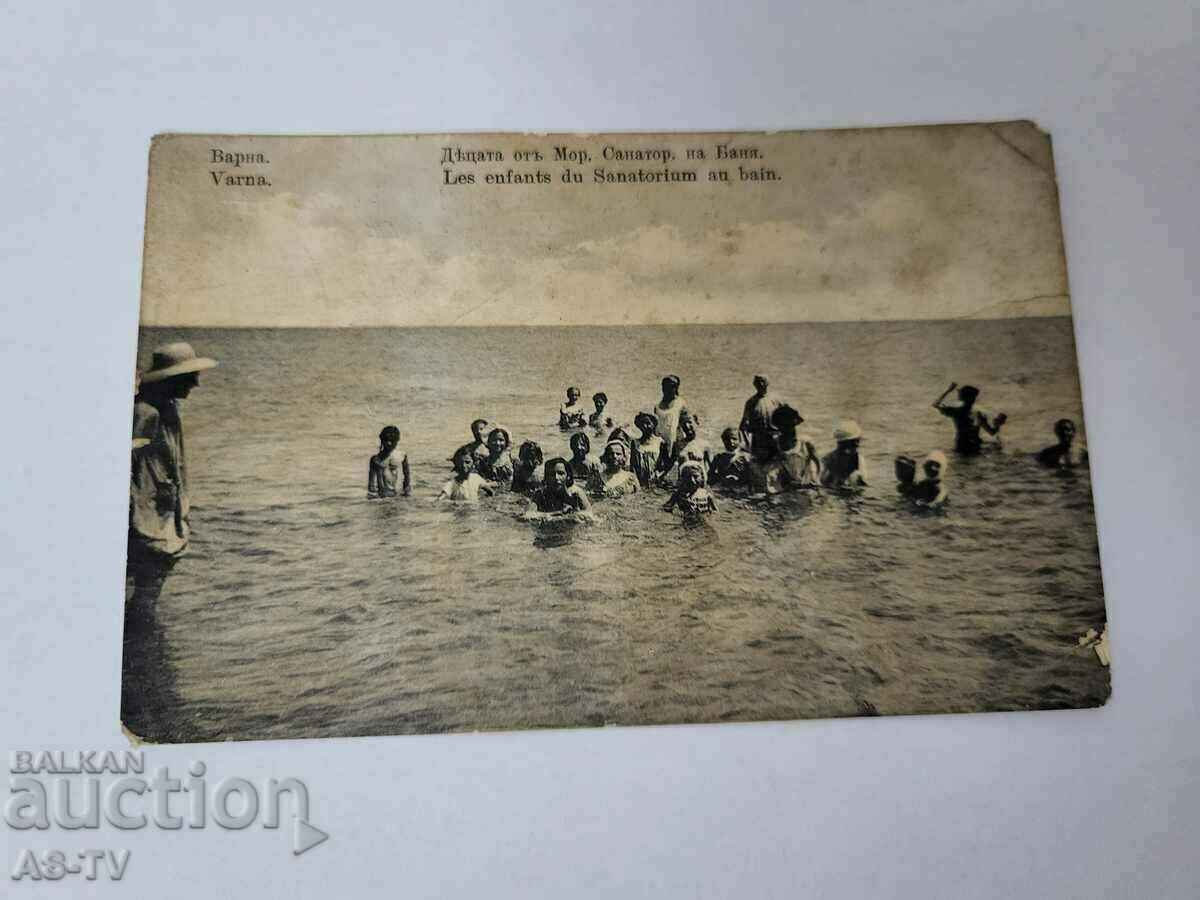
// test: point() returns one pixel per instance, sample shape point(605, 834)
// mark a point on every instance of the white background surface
point(1064, 804)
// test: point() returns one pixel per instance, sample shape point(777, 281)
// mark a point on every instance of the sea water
point(305, 610)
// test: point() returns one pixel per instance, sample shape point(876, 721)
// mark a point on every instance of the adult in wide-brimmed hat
point(173, 360)
point(158, 495)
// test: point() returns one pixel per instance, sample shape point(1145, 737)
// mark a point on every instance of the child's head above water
point(600, 399)
point(906, 469)
point(477, 429)
point(389, 437)
point(687, 425)
point(580, 445)
point(498, 440)
point(934, 466)
point(968, 394)
point(646, 423)
point(1064, 430)
point(530, 453)
point(760, 385)
point(670, 386)
point(730, 437)
point(615, 455)
point(464, 462)
point(557, 473)
point(572, 395)
point(691, 476)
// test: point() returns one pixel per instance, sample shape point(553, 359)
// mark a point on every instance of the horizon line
point(967, 318)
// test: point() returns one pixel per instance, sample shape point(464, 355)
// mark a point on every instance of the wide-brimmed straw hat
point(847, 430)
point(174, 359)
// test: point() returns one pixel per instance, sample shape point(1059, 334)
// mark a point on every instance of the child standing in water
point(582, 466)
point(466, 485)
point(969, 420)
point(728, 467)
point(647, 452)
point(572, 414)
point(689, 447)
point(614, 480)
point(388, 467)
point(668, 413)
point(691, 497)
point(930, 490)
point(527, 473)
point(599, 419)
point(756, 414)
point(1065, 454)
point(843, 467)
point(558, 495)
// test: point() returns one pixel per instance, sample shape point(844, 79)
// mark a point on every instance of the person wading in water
point(667, 413)
point(158, 491)
point(756, 414)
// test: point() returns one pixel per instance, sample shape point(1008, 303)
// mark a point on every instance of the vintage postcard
point(449, 433)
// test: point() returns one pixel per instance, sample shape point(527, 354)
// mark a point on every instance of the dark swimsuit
point(549, 500)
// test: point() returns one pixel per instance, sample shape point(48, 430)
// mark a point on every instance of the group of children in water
point(766, 454)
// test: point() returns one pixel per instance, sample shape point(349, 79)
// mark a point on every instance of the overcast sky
point(947, 222)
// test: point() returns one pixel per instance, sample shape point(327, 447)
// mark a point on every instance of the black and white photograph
point(491, 432)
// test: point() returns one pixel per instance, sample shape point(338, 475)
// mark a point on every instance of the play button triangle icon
point(305, 837)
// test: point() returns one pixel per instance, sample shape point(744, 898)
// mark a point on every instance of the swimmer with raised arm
point(970, 421)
